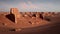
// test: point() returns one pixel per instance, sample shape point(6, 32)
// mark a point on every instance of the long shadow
point(11, 17)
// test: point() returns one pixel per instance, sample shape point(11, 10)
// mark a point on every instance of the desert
point(15, 22)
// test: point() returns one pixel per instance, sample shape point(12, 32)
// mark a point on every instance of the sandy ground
point(43, 26)
point(46, 29)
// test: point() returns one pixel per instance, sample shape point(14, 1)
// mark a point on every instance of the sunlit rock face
point(15, 12)
point(52, 14)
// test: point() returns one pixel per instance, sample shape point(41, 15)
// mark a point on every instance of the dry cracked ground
point(31, 23)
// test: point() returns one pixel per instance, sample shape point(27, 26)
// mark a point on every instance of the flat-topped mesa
point(15, 13)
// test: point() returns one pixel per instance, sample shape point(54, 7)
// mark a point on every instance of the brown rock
point(15, 12)
point(15, 29)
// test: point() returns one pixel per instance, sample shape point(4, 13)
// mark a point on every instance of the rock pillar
point(15, 12)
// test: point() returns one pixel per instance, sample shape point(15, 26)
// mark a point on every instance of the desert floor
point(30, 24)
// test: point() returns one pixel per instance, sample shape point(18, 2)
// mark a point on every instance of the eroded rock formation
point(15, 13)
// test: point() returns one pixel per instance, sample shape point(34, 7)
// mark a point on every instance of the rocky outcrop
point(15, 12)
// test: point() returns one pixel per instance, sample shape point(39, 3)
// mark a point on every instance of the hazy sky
point(30, 5)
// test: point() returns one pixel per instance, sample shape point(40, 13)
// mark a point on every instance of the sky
point(30, 5)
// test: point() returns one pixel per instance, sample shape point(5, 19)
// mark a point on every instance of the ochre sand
point(28, 24)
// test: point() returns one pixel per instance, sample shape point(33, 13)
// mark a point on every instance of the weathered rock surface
point(15, 13)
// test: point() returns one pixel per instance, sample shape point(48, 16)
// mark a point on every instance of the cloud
point(30, 6)
point(39, 6)
point(27, 6)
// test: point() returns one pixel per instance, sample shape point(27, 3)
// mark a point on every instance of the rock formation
point(14, 11)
